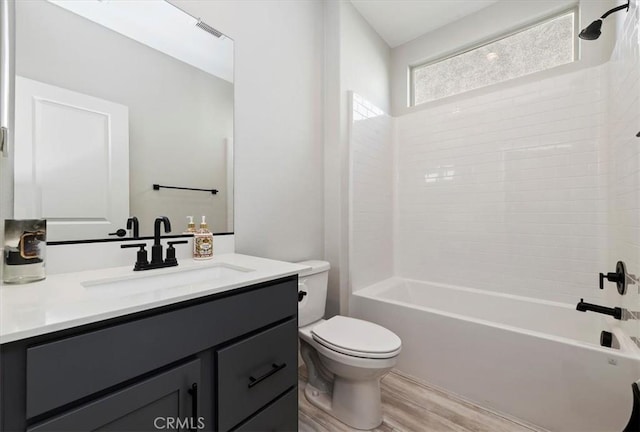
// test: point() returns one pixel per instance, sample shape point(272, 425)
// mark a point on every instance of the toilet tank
point(314, 283)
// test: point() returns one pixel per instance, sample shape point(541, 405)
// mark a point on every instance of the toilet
point(345, 357)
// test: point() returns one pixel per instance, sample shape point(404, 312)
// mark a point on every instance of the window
point(543, 46)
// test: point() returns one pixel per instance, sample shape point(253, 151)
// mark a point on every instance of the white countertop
point(65, 300)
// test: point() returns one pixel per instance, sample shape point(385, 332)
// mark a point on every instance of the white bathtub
point(533, 360)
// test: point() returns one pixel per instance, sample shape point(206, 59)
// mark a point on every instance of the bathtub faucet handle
point(619, 277)
point(611, 277)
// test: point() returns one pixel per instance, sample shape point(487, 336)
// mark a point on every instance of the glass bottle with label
point(25, 243)
point(203, 242)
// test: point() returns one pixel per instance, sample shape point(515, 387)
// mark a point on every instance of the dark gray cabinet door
point(164, 401)
point(255, 371)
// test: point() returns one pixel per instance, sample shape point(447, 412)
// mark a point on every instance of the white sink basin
point(163, 279)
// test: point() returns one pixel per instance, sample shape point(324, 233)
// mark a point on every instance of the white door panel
point(71, 161)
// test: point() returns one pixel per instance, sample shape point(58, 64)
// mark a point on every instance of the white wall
point(487, 24)
point(364, 59)
point(7, 10)
point(278, 123)
point(624, 163)
point(372, 194)
point(357, 59)
point(336, 238)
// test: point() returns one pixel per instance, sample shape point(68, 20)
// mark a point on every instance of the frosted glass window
point(543, 46)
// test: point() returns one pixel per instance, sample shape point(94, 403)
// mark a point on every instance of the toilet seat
point(357, 338)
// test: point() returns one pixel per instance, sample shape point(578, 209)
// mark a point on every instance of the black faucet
point(615, 312)
point(156, 249)
point(157, 260)
point(132, 222)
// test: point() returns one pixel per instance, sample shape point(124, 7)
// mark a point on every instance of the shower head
point(592, 31)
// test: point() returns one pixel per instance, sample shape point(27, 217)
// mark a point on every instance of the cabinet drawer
point(68, 369)
point(255, 371)
point(281, 416)
point(145, 406)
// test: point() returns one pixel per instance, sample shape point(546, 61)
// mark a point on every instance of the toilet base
point(355, 403)
point(346, 387)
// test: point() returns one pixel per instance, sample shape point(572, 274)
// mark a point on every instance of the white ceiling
point(399, 21)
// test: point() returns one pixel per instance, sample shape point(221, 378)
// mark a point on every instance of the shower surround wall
point(530, 190)
point(533, 191)
point(508, 191)
point(624, 124)
point(372, 185)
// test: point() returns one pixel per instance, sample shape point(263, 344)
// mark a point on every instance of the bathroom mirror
point(121, 109)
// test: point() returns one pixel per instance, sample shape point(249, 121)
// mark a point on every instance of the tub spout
point(614, 312)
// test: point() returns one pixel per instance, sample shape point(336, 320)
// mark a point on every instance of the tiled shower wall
point(624, 124)
point(532, 190)
point(372, 187)
point(508, 191)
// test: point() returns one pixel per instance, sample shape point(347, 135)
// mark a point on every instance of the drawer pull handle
point(275, 368)
point(193, 391)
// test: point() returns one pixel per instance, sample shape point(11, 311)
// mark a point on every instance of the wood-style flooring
point(413, 407)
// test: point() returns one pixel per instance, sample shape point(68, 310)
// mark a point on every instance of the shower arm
point(615, 9)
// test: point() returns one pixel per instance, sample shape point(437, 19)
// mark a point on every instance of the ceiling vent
point(206, 27)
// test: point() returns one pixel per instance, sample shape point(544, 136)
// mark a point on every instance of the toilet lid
point(356, 337)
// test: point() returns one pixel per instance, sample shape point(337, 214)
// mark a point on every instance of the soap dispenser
point(203, 242)
point(191, 226)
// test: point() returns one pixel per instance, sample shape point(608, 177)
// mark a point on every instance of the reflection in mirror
point(112, 98)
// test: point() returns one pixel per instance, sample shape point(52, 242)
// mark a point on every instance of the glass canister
point(25, 243)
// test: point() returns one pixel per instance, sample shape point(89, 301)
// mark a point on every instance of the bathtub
point(532, 360)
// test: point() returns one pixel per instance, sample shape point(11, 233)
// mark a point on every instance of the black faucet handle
point(133, 245)
point(141, 261)
point(602, 277)
point(171, 252)
point(619, 277)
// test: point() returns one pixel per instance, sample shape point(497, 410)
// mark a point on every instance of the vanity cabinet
point(222, 362)
point(144, 406)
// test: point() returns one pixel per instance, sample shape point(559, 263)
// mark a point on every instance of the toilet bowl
point(345, 357)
